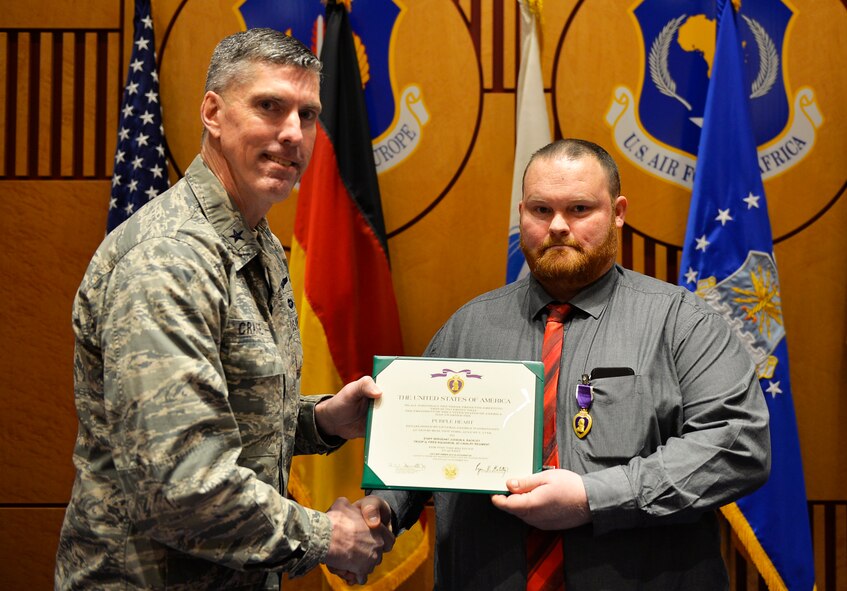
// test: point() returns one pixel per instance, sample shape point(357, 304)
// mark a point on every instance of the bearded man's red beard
point(573, 267)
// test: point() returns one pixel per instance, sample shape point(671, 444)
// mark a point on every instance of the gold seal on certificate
point(453, 424)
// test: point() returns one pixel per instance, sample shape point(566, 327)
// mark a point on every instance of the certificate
point(453, 424)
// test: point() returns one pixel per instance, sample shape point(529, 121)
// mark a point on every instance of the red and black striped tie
point(544, 553)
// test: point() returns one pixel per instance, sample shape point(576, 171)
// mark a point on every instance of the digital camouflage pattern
point(186, 373)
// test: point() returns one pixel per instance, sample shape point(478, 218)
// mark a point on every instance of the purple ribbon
point(444, 373)
point(584, 396)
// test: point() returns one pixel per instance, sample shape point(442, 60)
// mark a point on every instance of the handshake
point(361, 533)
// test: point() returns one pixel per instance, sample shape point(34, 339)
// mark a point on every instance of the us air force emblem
point(749, 300)
point(659, 130)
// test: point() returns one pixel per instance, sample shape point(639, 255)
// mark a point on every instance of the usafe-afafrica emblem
point(397, 120)
point(749, 300)
point(658, 129)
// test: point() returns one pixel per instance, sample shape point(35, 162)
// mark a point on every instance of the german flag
point(342, 281)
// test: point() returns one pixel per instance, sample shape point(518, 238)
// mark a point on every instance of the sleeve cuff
point(611, 500)
point(318, 546)
point(315, 440)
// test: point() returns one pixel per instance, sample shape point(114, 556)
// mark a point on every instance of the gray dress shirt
point(683, 435)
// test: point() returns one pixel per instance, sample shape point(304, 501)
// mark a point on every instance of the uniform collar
point(219, 209)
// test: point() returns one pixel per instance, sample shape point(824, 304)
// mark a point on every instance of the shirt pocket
point(620, 424)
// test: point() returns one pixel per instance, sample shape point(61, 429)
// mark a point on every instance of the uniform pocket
point(249, 351)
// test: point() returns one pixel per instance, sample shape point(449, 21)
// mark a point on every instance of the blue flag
point(728, 258)
point(140, 171)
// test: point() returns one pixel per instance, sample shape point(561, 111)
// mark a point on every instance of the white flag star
point(691, 276)
point(129, 207)
point(113, 202)
point(127, 111)
point(119, 155)
point(132, 88)
point(152, 97)
point(137, 162)
point(142, 43)
point(161, 150)
point(702, 243)
point(723, 216)
point(157, 171)
point(116, 180)
point(137, 66)
point(752, 200)
point(142, 139)
point(147, 117)
point(773, 389)
point(148, 22)
point(133, 185)
point(124, 135)
point(151, 192)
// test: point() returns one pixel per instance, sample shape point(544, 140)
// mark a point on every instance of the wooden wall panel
point(59, 112)
point(28, 538)
point(46, 244)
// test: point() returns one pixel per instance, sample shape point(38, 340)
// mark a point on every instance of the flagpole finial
point(535, 6)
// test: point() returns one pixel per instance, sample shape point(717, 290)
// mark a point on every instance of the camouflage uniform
point(186, 374)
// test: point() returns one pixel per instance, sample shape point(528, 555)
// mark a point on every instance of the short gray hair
point(260, 45)
point(574, 149)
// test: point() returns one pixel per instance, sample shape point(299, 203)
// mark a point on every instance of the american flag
point(141, 170)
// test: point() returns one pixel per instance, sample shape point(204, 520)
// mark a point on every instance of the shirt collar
point(591, 300)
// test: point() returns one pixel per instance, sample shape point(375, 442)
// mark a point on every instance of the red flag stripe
point(347, 279)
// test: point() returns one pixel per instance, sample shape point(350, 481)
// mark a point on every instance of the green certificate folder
point(464, 425)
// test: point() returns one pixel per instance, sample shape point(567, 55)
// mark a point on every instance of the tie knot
point(557, 312)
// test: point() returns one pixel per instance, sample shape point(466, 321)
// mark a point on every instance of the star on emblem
point(236, 235)
point(702, 243)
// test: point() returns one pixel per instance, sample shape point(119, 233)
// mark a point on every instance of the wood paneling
point(28, 538)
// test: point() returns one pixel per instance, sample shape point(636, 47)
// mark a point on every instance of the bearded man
point(671, 423)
